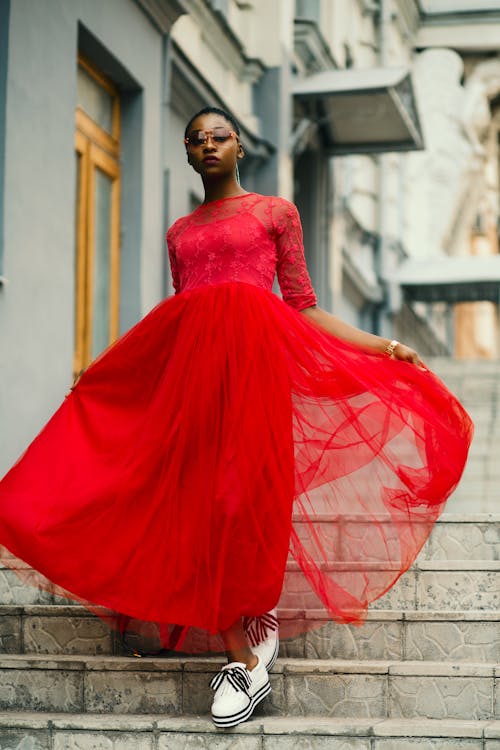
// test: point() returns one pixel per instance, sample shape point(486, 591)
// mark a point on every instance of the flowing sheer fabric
point(226, 453)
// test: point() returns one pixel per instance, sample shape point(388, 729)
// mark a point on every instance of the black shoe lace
point(237, 677)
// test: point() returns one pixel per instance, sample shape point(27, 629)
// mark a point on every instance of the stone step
point(430, 584)
point(401, 636)
point(464, 537)
point(301, 687)
point(482, 496)
point(391, 635)
point(465, 368)
point(51, 629)
point(42, 731)
point(455, 536)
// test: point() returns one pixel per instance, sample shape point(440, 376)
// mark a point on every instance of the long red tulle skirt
point(195, 473)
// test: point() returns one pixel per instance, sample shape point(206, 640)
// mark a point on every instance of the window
point(221, 5)
point(97, 230)
point(308, 9)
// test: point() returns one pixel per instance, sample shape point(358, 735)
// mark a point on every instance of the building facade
point(379, 119)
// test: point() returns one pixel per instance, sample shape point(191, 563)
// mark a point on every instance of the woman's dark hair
point(213, 111)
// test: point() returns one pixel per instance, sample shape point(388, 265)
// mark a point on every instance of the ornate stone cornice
point(458, 17)
point(407, 18)
point(223, 42)
point(310, 47)
point(163, 13)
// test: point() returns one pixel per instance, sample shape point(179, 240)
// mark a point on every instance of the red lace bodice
point(248, 238)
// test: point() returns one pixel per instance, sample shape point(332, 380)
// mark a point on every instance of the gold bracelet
point(389, 349)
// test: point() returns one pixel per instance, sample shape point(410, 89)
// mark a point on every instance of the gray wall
point(271, 101)
point(313, 201)
point(4, 53)
point(37, 306)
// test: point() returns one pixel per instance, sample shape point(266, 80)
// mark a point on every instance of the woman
point(198, 453)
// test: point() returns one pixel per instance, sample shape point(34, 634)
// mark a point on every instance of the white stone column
point(436, 176)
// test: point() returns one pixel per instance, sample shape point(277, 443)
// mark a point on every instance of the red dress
point(209, 444)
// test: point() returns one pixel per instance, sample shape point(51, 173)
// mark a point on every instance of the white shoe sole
point(270, 664)
point(234, 719)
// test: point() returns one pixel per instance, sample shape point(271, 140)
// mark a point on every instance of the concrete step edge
point(273, 725)
point(459, 566)
point(284, 665)
point(446, 518)
point(471, 566)
point(399, 615)
point(374, 615)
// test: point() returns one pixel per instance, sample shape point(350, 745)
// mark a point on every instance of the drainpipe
point(166, 85)
point(383, 260)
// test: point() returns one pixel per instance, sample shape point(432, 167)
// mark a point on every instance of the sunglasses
point(200, 137)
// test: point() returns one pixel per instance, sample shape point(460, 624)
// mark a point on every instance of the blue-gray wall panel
point(37, 306)
point(269, 106)
point(4, 57)
point(131, 208)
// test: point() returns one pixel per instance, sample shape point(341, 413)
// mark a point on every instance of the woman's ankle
point(252, 662)
point(246, 657)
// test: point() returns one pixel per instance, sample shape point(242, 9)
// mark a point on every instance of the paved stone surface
point(316, 743)
point(101, 732)
point(176, 741)
point(454, 536)
point(433, 585)
point(66, 635)
point(401, 596)
point(441, 697)
point(24, 739)
point(10, 634)
point(387, 634)
point(14, 591)
point(337, 688)
point(410, 635)
point(340, 695)
point(427, 743)
point(373, 640)
point(464, 541)
point(38, 691)
point(458, 589)
point(473, 641)
point(444, 728)
point(492, 729)
point(133, 692)
point(497, 695)
point(102, 741)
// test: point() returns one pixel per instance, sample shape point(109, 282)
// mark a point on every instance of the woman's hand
point(354, 335)
point(406, 354)
point(76, 378)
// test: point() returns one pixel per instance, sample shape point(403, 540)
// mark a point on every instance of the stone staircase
point(423, 672)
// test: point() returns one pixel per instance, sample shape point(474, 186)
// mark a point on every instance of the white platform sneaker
point(238, 691)
point(262, 635)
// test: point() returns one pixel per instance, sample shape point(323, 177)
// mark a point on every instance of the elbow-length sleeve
point(293, 276)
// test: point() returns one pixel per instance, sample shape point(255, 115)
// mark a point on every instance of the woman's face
point(214, 159)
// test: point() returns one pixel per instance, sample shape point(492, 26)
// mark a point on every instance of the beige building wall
point(261, 37)
point(431, 201)
point(424, 204)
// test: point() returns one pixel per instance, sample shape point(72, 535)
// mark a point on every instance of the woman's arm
point(297, 290)
point(358, 337)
